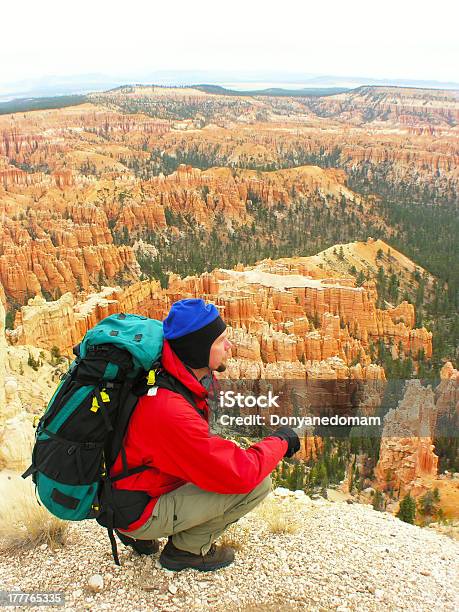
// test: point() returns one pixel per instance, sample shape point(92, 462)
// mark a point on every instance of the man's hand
point(287, 434)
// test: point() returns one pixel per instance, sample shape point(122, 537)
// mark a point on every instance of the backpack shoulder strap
point(164, 380)
point(127, 402)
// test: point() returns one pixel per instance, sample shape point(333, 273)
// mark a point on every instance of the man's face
point(219, 352)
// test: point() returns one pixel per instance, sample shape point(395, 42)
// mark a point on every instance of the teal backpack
point(81, 432)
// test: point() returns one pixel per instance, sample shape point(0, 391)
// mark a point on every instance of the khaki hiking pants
point(195, 518)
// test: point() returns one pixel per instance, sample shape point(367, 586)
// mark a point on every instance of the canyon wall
point(274, 317)
point(407, 452)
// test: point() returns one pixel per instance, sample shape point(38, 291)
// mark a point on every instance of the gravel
point(343, 557)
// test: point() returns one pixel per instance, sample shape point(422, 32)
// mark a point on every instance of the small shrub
point(378, 501)
point(55, 352)
point(428, 503)
point(24, 524)
point(56, 356)
point(9, 319)
point(278, 518)
point(33, 363)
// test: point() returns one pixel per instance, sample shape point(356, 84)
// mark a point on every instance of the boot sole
point(176, 566)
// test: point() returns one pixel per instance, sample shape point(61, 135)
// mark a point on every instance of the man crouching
point(199, 483)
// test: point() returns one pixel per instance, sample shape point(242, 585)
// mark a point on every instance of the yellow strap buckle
point(95, 404)
point(151, 378)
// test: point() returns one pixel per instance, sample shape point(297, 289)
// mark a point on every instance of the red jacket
point(167, 433)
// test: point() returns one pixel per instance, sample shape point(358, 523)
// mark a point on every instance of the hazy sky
point(387, 39)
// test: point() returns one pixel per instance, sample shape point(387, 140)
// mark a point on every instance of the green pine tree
point(378, 501)
point(407, 510)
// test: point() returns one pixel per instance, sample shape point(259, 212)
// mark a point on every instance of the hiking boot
point(143, 547)
point(174, 559)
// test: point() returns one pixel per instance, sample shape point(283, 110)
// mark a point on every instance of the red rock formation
point(311, 447)
point(77, 190)
point(64, 322)
point(407, 453)
point(447, 392)
point(63, 178)
point(250, 298)
point(275, 313)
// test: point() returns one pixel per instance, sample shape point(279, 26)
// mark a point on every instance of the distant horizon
point(74, 84)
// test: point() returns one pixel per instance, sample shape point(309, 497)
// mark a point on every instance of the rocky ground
point(335, 556)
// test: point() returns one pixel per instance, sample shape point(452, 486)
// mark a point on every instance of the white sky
point(412, 39)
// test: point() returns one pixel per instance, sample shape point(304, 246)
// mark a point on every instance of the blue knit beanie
point(191, 328)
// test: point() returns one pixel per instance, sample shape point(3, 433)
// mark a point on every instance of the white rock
point(11, 386)
point(320, 501)
point(172, 589)
point(281, 492)
point(96, 582)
